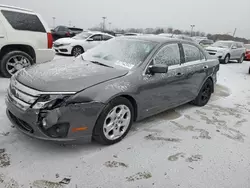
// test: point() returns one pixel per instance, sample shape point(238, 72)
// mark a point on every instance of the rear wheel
point(114, 122)
point(77, 50)
point(14, 61)
point(204, 94)
point(241, 58)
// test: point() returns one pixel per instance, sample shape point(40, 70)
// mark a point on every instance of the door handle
point(205, 67)
point(178, 74)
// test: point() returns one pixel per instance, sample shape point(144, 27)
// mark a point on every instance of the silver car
point(227, 50)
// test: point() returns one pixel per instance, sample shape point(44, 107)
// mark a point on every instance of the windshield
point(206, 42)
point(223, 44)
point(82, 35)
point(247, 46)
point(121, 53)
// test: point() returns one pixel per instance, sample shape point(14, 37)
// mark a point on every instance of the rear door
point(240, 50)
point(195, 69)
point(234, 51)
point(106, 37)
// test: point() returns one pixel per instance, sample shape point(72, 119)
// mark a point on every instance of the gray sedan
point(102, 92)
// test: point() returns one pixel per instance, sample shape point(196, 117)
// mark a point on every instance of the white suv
point(25, 39)
point(227, 50)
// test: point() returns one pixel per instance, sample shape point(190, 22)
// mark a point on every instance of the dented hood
point(69, 74)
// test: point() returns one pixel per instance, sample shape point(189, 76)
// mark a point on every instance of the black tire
point(8, 56)
point(204, 94)
point(77, 50)
point(249, 70)
point(226, 59)
point(242, 57)
point(98, 133)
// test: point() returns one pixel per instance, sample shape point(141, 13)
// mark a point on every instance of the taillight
point(68, 34)
point(50, 40)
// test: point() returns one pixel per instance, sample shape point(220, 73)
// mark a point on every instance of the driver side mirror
point(158, 68)
point(90, 39)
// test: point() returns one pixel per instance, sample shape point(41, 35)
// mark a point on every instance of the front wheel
point(204, 94)
point(114, 122)
point(226, 59)
point(77, 50)
point(14, 61)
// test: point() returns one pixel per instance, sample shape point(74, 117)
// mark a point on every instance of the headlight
point(66, 44)
point(50, 101)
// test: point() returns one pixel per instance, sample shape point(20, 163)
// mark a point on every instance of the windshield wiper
point(98, 63)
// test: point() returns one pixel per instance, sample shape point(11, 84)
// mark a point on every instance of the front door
point(92, 43)
point(159, 92)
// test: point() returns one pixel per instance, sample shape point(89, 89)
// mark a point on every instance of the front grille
point(21, 124)
point(212, 53)
point(21, 95)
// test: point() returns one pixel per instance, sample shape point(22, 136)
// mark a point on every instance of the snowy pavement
point(192, 147)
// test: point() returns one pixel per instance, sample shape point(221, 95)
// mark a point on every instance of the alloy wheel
point(16, 63)
point(77, 51)
point(117, 122)
point(206, 92)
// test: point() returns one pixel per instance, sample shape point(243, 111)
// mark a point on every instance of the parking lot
point(185, 147)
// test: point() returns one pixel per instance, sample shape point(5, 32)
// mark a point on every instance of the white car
point(25, 39)
point(227, 50)
point(80, 43)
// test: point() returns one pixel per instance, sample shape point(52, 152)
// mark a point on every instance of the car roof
point(98, 32)
point(13, 8)
point(153, 38)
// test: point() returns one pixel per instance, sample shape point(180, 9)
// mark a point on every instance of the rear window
point(23, 21)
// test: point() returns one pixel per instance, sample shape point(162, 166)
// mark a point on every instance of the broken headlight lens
point(50, 101)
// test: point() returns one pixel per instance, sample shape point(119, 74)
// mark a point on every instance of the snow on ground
point(185, 147)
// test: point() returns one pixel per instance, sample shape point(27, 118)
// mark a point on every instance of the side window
point(96, 37)
point(239, 45)
point(234, 45)
point(192, 53)
point(106, 37)
point(169, 55)
point(23, 21)
point(62, 29)
point(56, 29)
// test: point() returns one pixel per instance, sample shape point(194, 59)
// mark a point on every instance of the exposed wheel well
point(13, 47)
point(134, 104)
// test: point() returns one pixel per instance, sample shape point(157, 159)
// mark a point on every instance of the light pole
point(54, 22)
point(103, 26)
point(192, 27)
point(110, 26)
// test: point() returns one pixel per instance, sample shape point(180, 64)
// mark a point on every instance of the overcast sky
point(210, 16)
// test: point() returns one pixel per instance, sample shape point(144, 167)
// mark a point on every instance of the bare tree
point(170, 30)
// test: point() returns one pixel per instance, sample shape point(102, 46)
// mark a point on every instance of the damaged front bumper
point(67, 123)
